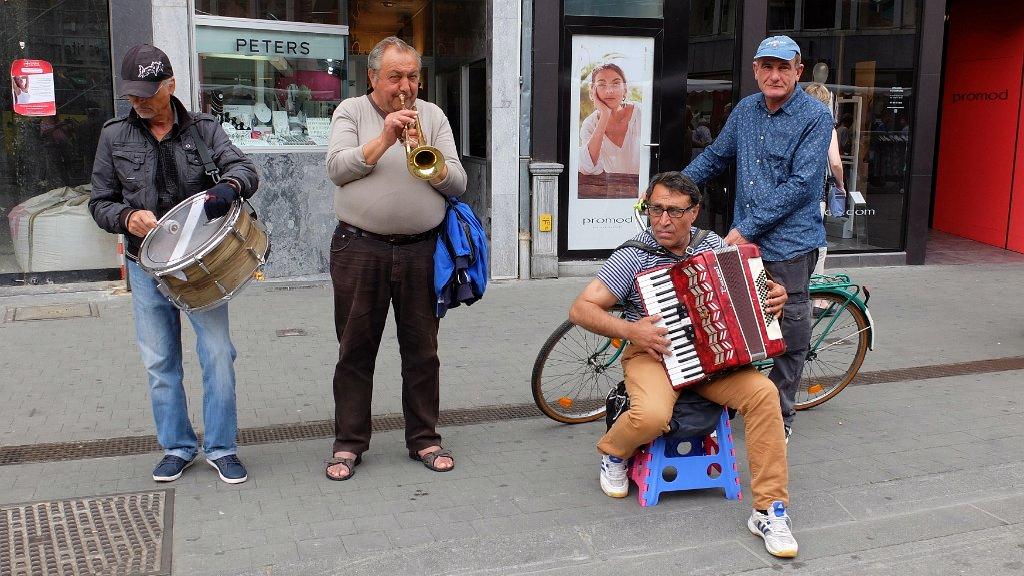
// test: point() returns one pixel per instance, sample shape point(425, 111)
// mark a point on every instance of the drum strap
point(204, 155)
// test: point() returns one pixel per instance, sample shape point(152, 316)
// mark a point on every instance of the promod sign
point(32, 88)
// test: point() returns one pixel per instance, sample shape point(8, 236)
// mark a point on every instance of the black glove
point(219, 199)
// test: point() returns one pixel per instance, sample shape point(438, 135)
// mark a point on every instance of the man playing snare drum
point(672, 202)
point(146, 163)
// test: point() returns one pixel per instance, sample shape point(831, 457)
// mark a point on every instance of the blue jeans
point(795, 275)
point(158, 331)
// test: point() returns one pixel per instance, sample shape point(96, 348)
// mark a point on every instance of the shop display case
point(270, 83)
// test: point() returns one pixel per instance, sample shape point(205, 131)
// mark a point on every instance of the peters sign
point(223, 41)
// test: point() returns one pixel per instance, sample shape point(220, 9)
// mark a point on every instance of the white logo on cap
point(154, 69)
point(775, 43)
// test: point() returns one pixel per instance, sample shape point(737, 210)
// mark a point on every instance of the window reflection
point(45, 226)
point(631, 9)
point(709, 100)
point(819, 14)
point(873, 109)
point(871, 76)
point(877, 13)
point(314, 11)
point(781, 14)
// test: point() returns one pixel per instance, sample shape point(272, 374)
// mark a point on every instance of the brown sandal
point(349, 463)
point(429, 458)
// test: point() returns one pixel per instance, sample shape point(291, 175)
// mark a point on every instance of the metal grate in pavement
point(939, 371)
point(119, 534)
point(283, 287)
point(129, 445)
point(52, 312)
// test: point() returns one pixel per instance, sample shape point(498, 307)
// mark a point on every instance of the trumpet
point(424, 161)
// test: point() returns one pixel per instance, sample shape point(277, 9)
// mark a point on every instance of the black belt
point(389, 238)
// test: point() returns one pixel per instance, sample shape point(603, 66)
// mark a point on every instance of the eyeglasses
point(655, 211)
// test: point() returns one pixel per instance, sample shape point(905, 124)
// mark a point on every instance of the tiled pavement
point(921, 477)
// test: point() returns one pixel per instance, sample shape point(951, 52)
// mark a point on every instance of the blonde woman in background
point(611, 134)
point(835, 165)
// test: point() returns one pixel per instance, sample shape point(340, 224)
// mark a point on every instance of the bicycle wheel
point(573, 373)
point(840, 340)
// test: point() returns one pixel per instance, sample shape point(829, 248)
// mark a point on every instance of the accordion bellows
point(715, 312)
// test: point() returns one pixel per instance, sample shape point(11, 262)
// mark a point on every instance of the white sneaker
point(614, 477)
point(789, 432)
point(775, 528)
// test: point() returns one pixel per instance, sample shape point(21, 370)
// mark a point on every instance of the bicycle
point(576, 368)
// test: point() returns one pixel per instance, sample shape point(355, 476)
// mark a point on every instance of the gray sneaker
point(775, 528)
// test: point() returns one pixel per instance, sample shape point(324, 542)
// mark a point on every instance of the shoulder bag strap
point(660, 252)
point(204, 154)
point(695, 241)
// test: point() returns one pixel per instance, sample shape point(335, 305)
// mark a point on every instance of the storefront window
point(709, 99)
point(871, 79)
point(819, 15)
point(781, 14)
point(270, 83)
point(314, 11)
point(477, 116)
point(702, 17)
point(46, 231)
point(877, 13)
point(632, 9)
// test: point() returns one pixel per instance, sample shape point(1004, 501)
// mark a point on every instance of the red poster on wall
point(32, 88)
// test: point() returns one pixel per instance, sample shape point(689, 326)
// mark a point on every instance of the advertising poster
point(32, 88)
point(610, 125)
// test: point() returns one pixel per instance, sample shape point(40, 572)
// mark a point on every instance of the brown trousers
point(369, 276)
point(651, 399)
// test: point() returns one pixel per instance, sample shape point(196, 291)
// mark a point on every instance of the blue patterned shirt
point(780, 172)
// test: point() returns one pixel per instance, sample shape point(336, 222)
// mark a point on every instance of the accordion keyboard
point(659, 297)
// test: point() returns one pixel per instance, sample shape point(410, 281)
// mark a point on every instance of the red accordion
point(713, 305)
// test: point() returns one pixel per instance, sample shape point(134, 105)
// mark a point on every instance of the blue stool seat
point(670, 464)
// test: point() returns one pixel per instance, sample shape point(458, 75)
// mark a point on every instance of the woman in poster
point(20, 85)
point(611, 134)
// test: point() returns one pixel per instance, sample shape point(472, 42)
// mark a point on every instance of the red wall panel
point(1015, 230)
point(978, 143)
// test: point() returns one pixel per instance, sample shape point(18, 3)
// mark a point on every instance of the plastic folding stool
point(706, 463)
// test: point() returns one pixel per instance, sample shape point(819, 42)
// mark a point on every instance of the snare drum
point(200, 263)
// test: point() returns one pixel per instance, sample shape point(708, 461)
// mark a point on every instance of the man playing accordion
point(672, 202)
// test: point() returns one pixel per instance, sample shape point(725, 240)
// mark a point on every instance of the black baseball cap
point(142, 70)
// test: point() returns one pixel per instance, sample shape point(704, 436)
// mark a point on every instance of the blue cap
point(781, 47)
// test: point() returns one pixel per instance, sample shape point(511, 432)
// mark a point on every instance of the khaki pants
point(651, 399)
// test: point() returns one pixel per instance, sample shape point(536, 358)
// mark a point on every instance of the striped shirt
point(619, 270)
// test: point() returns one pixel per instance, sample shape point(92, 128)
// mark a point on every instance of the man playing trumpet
point(382, 252)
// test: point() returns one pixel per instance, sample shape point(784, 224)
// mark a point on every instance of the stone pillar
point(131, 23)
point(503, 140)
point(171, 33)
point(544, 212)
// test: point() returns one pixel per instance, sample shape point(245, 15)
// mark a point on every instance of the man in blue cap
point(779, 140)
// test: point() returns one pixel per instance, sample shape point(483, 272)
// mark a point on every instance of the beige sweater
point(385, 198)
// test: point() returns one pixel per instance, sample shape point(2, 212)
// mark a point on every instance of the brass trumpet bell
point(424, 161)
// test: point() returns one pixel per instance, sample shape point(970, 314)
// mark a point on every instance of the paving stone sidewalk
point(919, 477)
point(82, 378)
